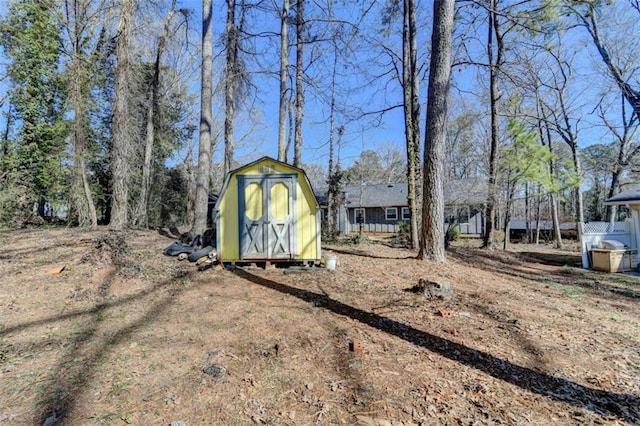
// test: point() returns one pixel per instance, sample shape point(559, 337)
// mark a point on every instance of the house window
point(406, 213)
point(391, 213)
point(358, 216)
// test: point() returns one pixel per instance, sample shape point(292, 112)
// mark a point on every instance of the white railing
point(605, 227)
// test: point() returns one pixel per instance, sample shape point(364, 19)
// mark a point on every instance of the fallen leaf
point(56, 270)
point(370, 421)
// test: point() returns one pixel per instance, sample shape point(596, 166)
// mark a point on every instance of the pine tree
point(31, 41)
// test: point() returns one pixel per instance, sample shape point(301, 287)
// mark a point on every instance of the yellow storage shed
point(267, 212)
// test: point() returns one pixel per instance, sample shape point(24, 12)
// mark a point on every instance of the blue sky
point(263, 140)
point(258, 136)
point(584, 94)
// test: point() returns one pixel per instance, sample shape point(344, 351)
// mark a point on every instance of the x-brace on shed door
point(267, 216)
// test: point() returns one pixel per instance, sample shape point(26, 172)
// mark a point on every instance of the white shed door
point(266, 216)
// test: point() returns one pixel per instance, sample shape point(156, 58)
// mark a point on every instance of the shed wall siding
point(228, 226)
point(306, 222)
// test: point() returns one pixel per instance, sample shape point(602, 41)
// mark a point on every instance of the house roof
point(376, 195)
point(456, 192)
point(628, 196)
point(466, 191)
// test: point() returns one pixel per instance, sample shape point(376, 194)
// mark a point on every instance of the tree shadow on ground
point(10, 253)
point(555, 259)
point(523, 265)
point(86, 351)
point(70, 378)
point(362, 253)
point(622, 406)
point(172, 233)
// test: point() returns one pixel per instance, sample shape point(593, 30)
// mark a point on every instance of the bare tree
point(190, 214)
point(464, 157)
point(588, 14)
point(231, 75)
point(432, 242)
point(334, 173)
point(284, 64)
point(561, 118)
point(627, 146)
point(205, 145)
point(545, 135)
point(300, 28)
point(495, 60)
point(411, 85)
point(120, 129)
point(142, 215)
point(77, 19)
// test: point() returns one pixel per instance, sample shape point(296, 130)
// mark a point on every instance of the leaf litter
point(120, 335)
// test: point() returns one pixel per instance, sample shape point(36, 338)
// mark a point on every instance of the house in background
point(267, 212)
point(380, 207)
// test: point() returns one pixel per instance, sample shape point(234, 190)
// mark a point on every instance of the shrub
point(454, 233)
point(403, 237)
point(359, 239)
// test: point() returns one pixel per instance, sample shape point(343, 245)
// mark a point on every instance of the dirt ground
point(98, 328)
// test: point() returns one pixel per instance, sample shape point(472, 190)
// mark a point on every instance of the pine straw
point(123, 335)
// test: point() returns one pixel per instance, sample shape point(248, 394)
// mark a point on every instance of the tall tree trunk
point(142, 216)
point(76, 12)
point(297, 144)
point(205, 143)
point(336, 184)
point(82, 196)
point(570, 137)
point(230, 83)
point(291, 106)
point(553, 200)
point(536, 237)
point(7, 132)
point(577, 165)
point(121, 131)
point(627, 153)
point(553, 196)
point(494, 68)
point(410, 82)
point(527, 213)
point(191, 188)
point(284, 65)
point(333, 178)
point(432, 242)
point(511, 189)
point(615, 181)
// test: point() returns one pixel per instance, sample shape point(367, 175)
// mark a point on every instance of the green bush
point(327, 235)
point(359, 239)
point(404, 228)
point(13, 207)
point(403, 237)
point(454, 233)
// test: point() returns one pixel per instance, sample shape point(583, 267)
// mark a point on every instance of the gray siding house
point(381, 207)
